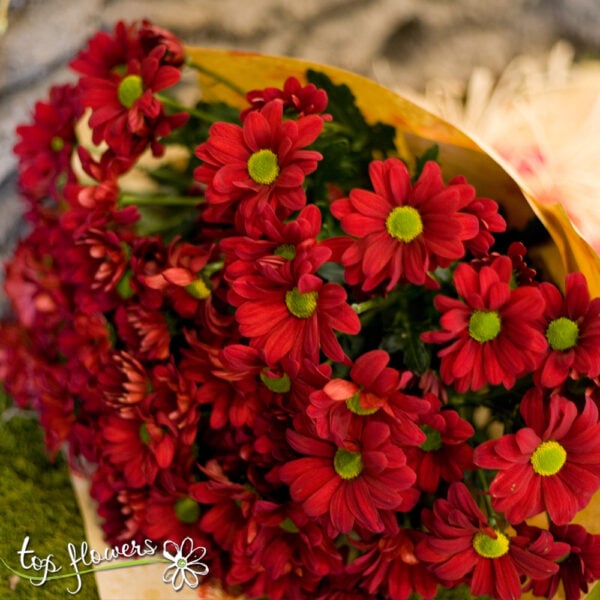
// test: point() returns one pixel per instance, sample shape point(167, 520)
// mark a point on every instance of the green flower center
point(433, 441)
point(562, 333)
point(289, 526)
point(57, 143)
point(129, 90)
point(488, 547)
point(548, 458)
point(143, 433)
point(181, 563)
point(187, 510)
point(484, 326)
point(124, 288)
point(347, 464)
point(404, 223)
point(354, 405)
point(198, 288)
point(263, 167)
point(279, 385)
point(300, 305)
point(286, 251)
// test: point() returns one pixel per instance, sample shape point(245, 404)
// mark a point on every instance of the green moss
point(36, 500)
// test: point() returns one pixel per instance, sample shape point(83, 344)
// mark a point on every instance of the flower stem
point(194, 112)
point(134, 200)
point(361, 307)
point(486, 497)
point(219, 78)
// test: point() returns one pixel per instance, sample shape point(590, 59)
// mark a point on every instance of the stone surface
point(401, 43)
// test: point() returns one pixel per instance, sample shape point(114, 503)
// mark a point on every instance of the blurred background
point(404, 44)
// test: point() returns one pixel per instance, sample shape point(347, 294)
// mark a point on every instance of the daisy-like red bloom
point(551, 464)
point(494, 331)
point(572, 327)
point(33, 284)
point(389, 566)
point(404, 231)
point(461, 546)
point(145, 332)
point(373, 389)
point(125, 112)
point(362, 482)
point(143, 438)
point(281, 554)
point(490, 222)
point(227, 505)
point(445, 454)
point(103, 195)
point(303, 312)
point(303, 100)
point(281, 242)
point(188, 281)
point(107, 51)
point(523, 274)
point(173, 514)
point(151, 36)
point(123, 379)
point(264, 161)
point(122, 509)
point(45, 146)
point(576, 570)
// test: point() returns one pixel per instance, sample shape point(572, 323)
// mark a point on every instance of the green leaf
point(431, 154)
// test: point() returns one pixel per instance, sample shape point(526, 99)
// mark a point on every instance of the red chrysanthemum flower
point(373, 389)
point(187, 282)
point(100, 196)
point(523, 274)
point(362, 482)
point(577, 569)
point(227, 505)
point(281, 554)
point(124, 380)
point(173, 514)
point(302, 100)
point(494, 331)
point(151, 36)
point(33, 284)
point(125, 112)
point(122, 509)
point(490, 222)
point(234, 397)
point(551, 464)
point(445, 454)
point(390, 567)
point(282, 242)
point(45, 146)
point(107, 51)
point(461, 546)
point(143, 438)
point(145, 332)
point(262, 162)
point(572, 325)
point(303, 310)
point(403, 231)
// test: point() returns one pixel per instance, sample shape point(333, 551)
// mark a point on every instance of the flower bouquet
point(306, 326)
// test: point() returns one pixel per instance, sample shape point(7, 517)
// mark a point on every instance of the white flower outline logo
point(183, 570)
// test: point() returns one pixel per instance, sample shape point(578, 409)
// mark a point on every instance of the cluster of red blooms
point(220, 384)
